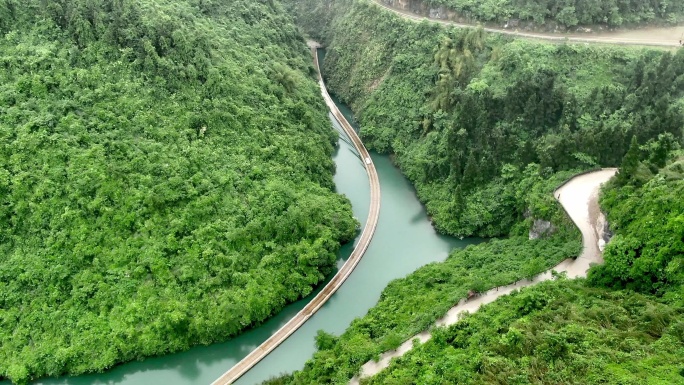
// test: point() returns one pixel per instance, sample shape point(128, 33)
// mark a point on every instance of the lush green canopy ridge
point(165, 178)
point(567, 13)
point(466, 113)
point(647, 254)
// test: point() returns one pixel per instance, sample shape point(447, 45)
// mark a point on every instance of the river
point(404, 240)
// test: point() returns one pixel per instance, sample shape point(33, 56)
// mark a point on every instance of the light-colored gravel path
point(579, 197)
point(343, 273)
point(656, 36)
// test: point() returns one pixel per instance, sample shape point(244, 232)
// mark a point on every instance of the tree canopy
point(486, 127)
point(557, 332)
point(165, 178)
point(647, 254)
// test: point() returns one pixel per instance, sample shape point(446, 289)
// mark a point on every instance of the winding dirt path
point(579, 198)
point(300, 318)
point(658, 37)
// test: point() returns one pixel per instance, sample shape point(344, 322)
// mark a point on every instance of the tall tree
point(630, 163)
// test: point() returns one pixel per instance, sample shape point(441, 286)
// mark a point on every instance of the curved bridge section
point(300, 318)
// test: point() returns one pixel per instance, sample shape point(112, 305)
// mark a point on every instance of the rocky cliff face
point(603, 231)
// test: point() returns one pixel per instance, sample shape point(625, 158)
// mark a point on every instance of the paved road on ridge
point(300, 318)
point(659, 37)
point(579, 198)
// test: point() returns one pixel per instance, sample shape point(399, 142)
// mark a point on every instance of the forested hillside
point(165, 178)
point(486, 127)
point(582, 332)
point(646, 208)
point(565, 13)
point(467, 113)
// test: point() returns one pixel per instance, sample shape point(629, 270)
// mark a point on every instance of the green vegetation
point(559, 332)
point(486, 127)
point(412, 304)
point(465, 112)
point(573, 333)
point(568, 13)
point(647, 254)
point(165, 178)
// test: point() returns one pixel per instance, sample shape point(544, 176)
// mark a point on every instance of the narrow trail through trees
point(668, 37)
point(579, 198)
point(317, 302)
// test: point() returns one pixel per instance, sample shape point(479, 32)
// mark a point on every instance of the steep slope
point(465, 113)
point(559, 332)
point(487, 127)
point(552, 15)
point(165, 178)
point(580, 332)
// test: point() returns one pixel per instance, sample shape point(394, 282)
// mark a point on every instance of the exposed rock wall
point(603, 231)
point(540, 228)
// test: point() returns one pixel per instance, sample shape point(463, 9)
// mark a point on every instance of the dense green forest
point(465, 113)
point(165, 178)
point(567, 13)
point(560, 332)
point(486, 127)
point(646, 208)
point(624, 325)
